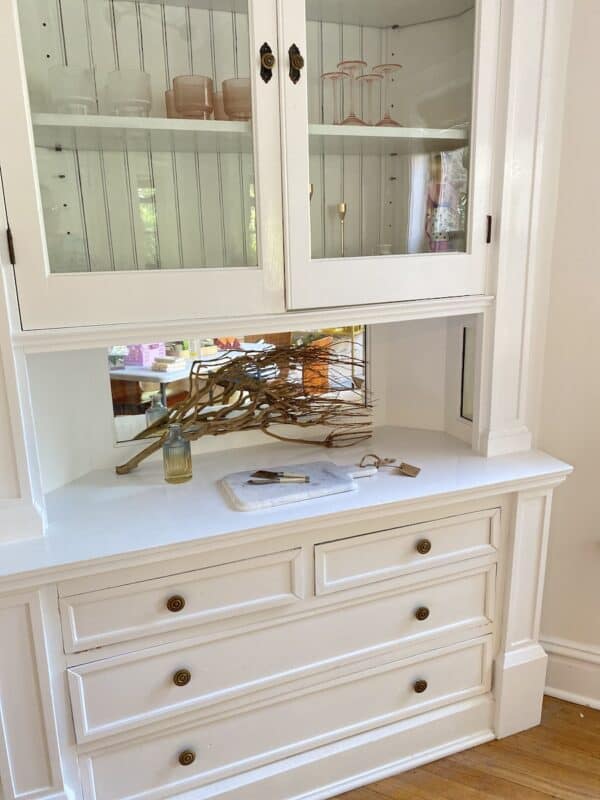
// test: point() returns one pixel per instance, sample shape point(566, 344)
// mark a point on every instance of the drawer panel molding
point(113, 695)
point(372, 557)
point(121, 613)
point(151, 767)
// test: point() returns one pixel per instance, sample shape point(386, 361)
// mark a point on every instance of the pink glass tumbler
point(193, 96)
point(237, 98)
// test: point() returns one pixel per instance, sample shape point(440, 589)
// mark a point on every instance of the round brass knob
point(187, 757)
point(420, 686)
point(297, 61)
point(175, 603)
point(182, 677)
point(422, 613)
point(267, 60)
point(423, 546)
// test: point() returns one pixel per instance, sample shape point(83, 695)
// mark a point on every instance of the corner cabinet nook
point(353, 137)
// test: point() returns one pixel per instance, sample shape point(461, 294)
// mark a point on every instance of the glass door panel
point(141, 181)
point(389, 111)
point(398, 121)
point(139, 167)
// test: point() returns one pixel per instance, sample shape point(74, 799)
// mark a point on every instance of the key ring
point(373, 460)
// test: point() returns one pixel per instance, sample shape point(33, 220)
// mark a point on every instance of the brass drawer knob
point(175, 603)
point(420, 686)
point(423, 546)
point(422, 613)
point(187, 757)
point(182, 677)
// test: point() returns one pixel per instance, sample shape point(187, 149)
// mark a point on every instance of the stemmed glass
point(370, 80)
point(353, 69)
point(335, 78)
point(387, 70)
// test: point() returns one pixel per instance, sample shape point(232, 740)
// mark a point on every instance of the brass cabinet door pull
point(267, 62)
point(423, 546)
point(186, 757)
point(420, 686)
point(182, 677)
point(422, 613)
point(176, 603)
point(296, 63)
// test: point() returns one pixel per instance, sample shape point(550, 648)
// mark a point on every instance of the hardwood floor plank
point(487, 786)
point(549, 746)
point(558, 760)
point(557, 713)
point(556, 780)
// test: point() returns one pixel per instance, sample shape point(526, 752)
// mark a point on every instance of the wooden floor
point(560, 759)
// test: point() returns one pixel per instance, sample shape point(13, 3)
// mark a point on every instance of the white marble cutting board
point(325, 478)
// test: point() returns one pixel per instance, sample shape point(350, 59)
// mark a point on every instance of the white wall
point(570, 414)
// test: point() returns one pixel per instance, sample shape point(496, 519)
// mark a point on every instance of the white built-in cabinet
point(145, 219)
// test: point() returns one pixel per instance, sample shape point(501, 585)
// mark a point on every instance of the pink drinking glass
point(354, 69)
point(219, 106)
point(370, 81)
point(387, 70)
point(237, 98)
point(335, 79)
point(193, 96)
point(172, 112)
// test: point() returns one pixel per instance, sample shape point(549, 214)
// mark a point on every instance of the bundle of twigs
point(240, 395)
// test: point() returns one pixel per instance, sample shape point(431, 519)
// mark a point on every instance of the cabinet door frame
point(375, 279)
point(49, 300)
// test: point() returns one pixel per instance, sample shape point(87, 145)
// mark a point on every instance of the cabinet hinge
point(11, 247)
point(488, 230)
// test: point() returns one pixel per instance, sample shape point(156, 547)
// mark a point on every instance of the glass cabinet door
point(388, 147)
point(154, 126)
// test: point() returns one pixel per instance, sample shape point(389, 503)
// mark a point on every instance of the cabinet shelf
point(359, 140)
point(72, 131)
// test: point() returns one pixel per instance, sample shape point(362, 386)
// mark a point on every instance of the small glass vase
point(177, 456)
point(156, 410)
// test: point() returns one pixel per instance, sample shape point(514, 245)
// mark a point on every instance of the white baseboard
point(573, 671)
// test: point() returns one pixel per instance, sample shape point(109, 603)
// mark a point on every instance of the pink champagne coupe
point(387, 70)
point(335, 79)
point(370, 81)
point(353, 68)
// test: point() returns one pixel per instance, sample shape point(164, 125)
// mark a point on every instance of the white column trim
point(534, 51)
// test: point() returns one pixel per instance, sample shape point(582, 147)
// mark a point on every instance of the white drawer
point(373, 557)
point(128, 691)
point(226, 745)
point(154, 606)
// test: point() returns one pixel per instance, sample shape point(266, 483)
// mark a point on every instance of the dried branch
point(252, 392)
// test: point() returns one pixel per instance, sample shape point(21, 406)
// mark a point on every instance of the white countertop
point(103, 515)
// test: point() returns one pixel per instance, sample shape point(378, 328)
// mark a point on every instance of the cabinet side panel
point(25, 766)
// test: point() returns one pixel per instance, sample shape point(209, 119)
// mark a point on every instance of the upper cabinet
point(159, 159)
point(391, 132)
point(127, 204)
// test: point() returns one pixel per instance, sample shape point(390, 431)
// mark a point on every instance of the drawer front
point(149, 607)
point(129, 691)
point(151, 767)
point(374, 557)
